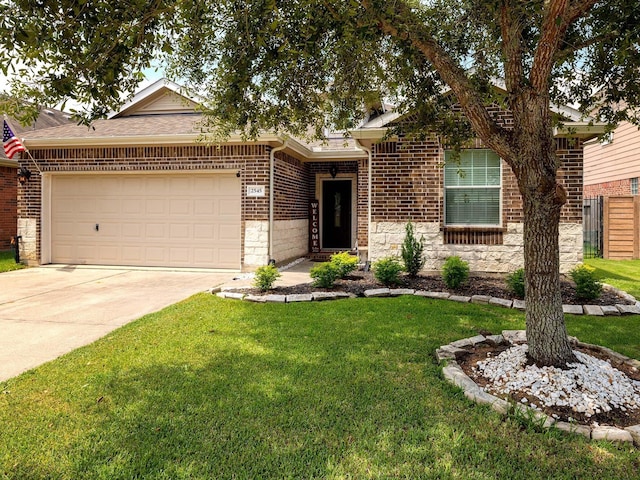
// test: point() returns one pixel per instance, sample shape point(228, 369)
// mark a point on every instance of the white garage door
point(177, 220)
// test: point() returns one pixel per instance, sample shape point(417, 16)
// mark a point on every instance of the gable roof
point(159, 98)
point(574, 125)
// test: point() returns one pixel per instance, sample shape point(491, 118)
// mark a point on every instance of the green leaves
point(297, 66)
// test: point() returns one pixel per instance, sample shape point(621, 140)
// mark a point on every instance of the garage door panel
point(131, 230)
point(156, 254)
point(155, 206)
point(131, 253)
point(155, 231)
point(180, 232)
point(152, 220)
point(179, 256)
point(204, 207)
point(133, 205)
point(203, 232)
point(107, 205)
point(228, 232)
point(109, 254)
point(179, 206)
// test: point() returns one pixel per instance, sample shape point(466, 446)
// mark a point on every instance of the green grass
point(213, 388)
point(8, 263)
point(622, 274)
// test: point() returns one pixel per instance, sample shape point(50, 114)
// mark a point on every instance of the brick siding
point(291, 186)
point(608, 189)
point(571, 157)
point(9, 202)
point(407, 181)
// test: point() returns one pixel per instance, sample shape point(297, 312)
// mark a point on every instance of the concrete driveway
point(48, 311)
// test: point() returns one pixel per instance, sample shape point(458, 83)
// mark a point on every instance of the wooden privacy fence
point(621, 218)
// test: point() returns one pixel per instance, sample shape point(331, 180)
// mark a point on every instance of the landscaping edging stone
point(452, 371)
point(236, 293)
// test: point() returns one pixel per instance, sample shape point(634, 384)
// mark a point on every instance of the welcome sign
point(314, 226)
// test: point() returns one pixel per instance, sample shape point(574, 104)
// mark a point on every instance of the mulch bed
point(491, 285)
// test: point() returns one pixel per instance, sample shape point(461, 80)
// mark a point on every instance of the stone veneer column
point(256, 243)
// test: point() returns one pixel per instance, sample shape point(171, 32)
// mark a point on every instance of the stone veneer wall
point(251, 161)
point(387, 237)
point(9, 203)
point(290, 239)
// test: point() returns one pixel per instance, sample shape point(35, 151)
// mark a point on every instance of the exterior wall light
point(23, 175)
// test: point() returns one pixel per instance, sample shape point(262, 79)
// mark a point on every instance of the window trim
point(454, 187)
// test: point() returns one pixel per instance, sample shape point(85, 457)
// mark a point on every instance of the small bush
point(324, 275)
point(587, 287)
point(265, 277)
point(387, 271)
point(515, 282)
point(412, 251)
point(344, 262)
point(455, 272)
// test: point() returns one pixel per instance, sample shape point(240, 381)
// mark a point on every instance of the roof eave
point(8, 162)
point(582, 130)
point(292, 145)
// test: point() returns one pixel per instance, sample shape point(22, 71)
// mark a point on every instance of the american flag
point(12, 144)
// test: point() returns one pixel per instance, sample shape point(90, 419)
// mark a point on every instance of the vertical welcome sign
point(314, 226)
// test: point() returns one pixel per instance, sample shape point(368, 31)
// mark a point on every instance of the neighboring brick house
point(9, 175)
point(141, 188)
point(612, 166)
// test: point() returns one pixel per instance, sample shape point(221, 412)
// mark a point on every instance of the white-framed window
point(473, 188)
point(634, 186)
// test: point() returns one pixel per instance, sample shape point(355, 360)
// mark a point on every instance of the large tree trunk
point(546, 331)
point(543, 199)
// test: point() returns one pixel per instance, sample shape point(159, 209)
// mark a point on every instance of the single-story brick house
point(141, 188)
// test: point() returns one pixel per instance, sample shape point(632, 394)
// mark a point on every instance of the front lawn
point(622, 274)
point(212, 388)
point(8, 263)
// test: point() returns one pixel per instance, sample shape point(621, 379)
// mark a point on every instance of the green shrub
point(587, 287)
point(412, 251)
point(265, 277)
point(387, 271)
point(515, 282)
point(344, 262)
point(455, 272)
point(324, 274)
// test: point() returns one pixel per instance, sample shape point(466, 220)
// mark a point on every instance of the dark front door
point(336, 214)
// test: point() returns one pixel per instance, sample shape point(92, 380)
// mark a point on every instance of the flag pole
point(26, 150)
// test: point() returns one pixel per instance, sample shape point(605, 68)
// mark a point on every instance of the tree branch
point(604, 37)
point(559, 15)
point(579, 8)
point(395, 25)
point(511, 29)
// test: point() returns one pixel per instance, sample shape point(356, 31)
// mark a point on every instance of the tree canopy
point(290, 65)
point(298, 66)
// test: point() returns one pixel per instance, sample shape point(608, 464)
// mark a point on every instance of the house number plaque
point(255, 191)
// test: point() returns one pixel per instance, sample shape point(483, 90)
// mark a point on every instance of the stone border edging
point(455, 375)
point(596, 310)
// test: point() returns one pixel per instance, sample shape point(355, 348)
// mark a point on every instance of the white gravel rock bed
point(589, 387)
